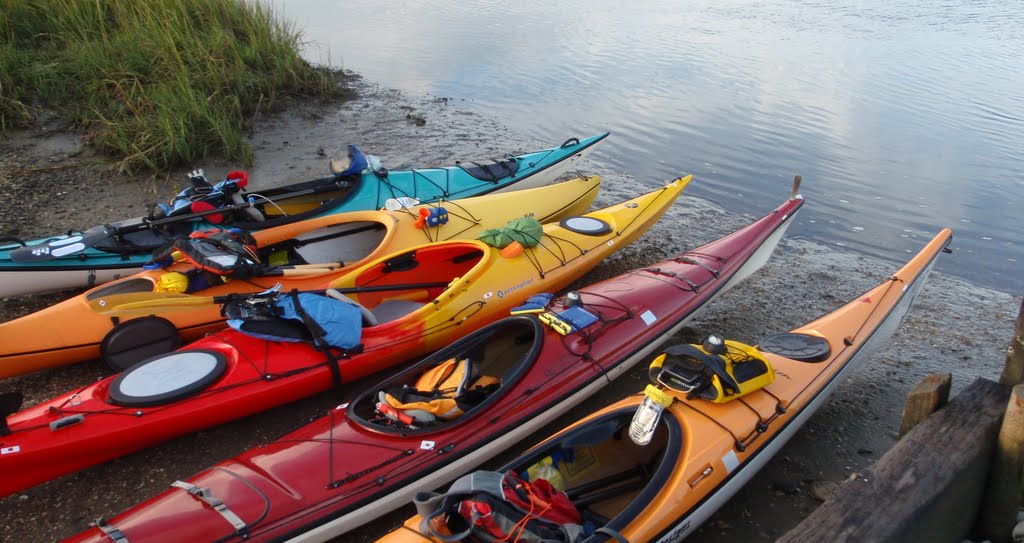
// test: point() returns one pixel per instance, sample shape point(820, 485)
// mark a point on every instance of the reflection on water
point(901, 117)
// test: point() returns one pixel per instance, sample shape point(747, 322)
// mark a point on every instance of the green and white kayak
point(109, 251)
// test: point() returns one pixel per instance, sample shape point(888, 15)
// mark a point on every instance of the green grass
point(154, 83)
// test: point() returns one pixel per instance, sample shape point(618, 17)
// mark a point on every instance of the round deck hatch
point(167, 378)
point(588, 226)
point(800, 347)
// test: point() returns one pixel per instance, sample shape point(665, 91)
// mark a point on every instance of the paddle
point(145, 303)
point(79, 242)
point(295, 271)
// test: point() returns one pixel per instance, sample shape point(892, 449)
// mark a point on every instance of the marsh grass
point(154, 83)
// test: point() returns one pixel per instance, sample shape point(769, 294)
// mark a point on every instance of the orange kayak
point(312, 253)
point(654, 466)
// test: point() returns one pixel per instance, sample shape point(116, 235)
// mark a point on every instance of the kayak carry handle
point(570, 142)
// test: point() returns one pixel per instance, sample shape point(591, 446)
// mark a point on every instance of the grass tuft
point(157, 83)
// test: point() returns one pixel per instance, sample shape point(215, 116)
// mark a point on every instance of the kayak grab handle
point(570, 142)
point(66, 421)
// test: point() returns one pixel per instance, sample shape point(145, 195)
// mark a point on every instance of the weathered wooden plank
point(1002, 497)
point(930, 394)
point(927, 487)
point(1013, 371)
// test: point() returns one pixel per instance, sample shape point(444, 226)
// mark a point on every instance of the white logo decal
point(648, 317)
point(730, 461)
point(10, 450)
point(427, 445)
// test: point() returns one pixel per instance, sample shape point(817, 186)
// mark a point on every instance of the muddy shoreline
point(48, 186)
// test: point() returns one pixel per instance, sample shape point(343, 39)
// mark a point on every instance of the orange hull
point(703, 452)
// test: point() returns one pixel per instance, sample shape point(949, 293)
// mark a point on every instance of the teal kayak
point(110, 251)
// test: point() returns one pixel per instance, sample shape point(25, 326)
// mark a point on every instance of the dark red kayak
point(357, 463)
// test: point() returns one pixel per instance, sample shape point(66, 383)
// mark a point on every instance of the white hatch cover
point(586, 225)
point(167, 378)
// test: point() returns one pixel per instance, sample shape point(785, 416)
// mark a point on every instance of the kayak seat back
point(138, 339)
point(442, 392)
point(167, 378)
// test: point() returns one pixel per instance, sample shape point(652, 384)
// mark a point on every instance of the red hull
point(334, 474)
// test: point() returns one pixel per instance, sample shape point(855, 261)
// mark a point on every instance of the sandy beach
point(48, 186)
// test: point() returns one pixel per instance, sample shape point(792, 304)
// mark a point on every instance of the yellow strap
point(555, 323)
point(658, 395)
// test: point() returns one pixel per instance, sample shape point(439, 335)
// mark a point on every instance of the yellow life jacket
point(717, 378)
point(442, 392)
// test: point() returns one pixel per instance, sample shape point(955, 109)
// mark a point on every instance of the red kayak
point(392, 309)
point(369, 457)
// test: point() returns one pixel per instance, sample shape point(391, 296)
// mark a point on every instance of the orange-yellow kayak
point(417, 301)
point(317, 251)
point(708, 422)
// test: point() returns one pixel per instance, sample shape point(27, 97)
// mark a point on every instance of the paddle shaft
point(188, 216)
point(349, 290)
point(150, 302)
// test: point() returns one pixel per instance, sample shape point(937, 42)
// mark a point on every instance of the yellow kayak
point(306, 255)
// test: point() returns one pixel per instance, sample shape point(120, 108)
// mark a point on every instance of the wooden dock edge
point(928, 487)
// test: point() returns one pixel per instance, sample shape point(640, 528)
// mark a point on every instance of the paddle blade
point(148, 303)
point(204, 207)
point(62, 247)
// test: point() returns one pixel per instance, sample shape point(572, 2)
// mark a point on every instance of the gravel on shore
point(49, 186)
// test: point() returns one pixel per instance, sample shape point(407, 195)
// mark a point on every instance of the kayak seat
point(167, 378)
point(389, 310)
point(251, 213)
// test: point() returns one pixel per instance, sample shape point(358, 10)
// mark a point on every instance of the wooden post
point(928, 487)
point(1013, 371)
point(930, 394)
point(1002, 497)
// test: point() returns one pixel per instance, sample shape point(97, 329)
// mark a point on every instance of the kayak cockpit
point(126, 286)
point(609, 478)
point(454, 383)
point(349, 241)
point(394, 288)
point(601, 478)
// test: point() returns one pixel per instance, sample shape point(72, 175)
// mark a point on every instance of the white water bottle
point(645, 420)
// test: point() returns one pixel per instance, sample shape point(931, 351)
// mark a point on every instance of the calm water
point(901, 117)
